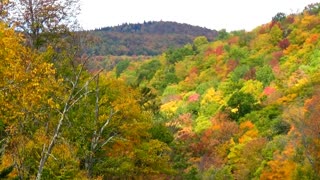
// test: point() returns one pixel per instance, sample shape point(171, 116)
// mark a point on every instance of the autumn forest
point(222, 105)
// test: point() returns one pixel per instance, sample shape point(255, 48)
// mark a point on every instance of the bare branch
point(70, 102)
point(107, 141)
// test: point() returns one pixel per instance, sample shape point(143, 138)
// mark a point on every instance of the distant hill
point(148, 38)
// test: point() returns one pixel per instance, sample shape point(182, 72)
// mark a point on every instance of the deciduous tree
point(43, 20)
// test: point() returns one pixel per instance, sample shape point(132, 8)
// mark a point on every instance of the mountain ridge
point(154, 27)
point(148, 38)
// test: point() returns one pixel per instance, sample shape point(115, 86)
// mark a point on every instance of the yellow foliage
point(170, 108)
point(291, 49)
point(212, 96)
point(298, 36)
point(276, 35)
point(234, 110)
point(253, 87)
point(309, 22)
point(28, 86)
point(262, 43)
point(6, 161)
point(27, 80)
point(287, 99)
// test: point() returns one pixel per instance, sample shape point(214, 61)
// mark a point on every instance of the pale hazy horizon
point(227, 14)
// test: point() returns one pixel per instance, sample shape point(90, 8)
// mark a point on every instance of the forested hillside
point(148, 38)
point(244, 106)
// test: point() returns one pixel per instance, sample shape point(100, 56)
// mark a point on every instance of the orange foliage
point(282, 167)
point(246, 125)
point(312, 39)
point(279, 169)
point(231, 65)
point(233, 40)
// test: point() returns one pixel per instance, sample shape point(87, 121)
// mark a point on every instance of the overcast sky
point(213, 14)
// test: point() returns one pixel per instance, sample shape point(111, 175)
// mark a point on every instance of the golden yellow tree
point(27, 87)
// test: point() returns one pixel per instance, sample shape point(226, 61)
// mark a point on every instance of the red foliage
point(274, 63)
point(219, 50)
point(194, 70)
point(173, 97)
point(231, 64)
point(194, 98)
point(251, 74)
point(233, 40)
point(209, 51)
point(277, 55)
point(269, 90)
point(283, 44)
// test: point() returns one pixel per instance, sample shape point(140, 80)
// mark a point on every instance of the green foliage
point(305, 172)
point(313, 8)
point(121, 66)
point(281, 127)
point(176, 55)
point(279, 17)
point(164, 77)
point(201, 123)
point(219, 173)
point(238, 73)
point(203, 87)
point(238, 53)
point(229, 86)
point(199, 41)
point(243, 107)
point(170, 76)
point(313, 62)
point(268, 122)
point(240, 104)
point(6, 171)
point(277, 144)
point(265, 75)
point(149, 100)
point(276, 35)
point(222, 34)
point(193, 174)
point(171, 90)
point(147, 70)
point(161, 133)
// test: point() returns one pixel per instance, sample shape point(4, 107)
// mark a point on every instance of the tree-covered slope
point(245, 106)
point(148, 38)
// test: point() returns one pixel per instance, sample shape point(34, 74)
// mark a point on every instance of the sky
point(213, 14)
